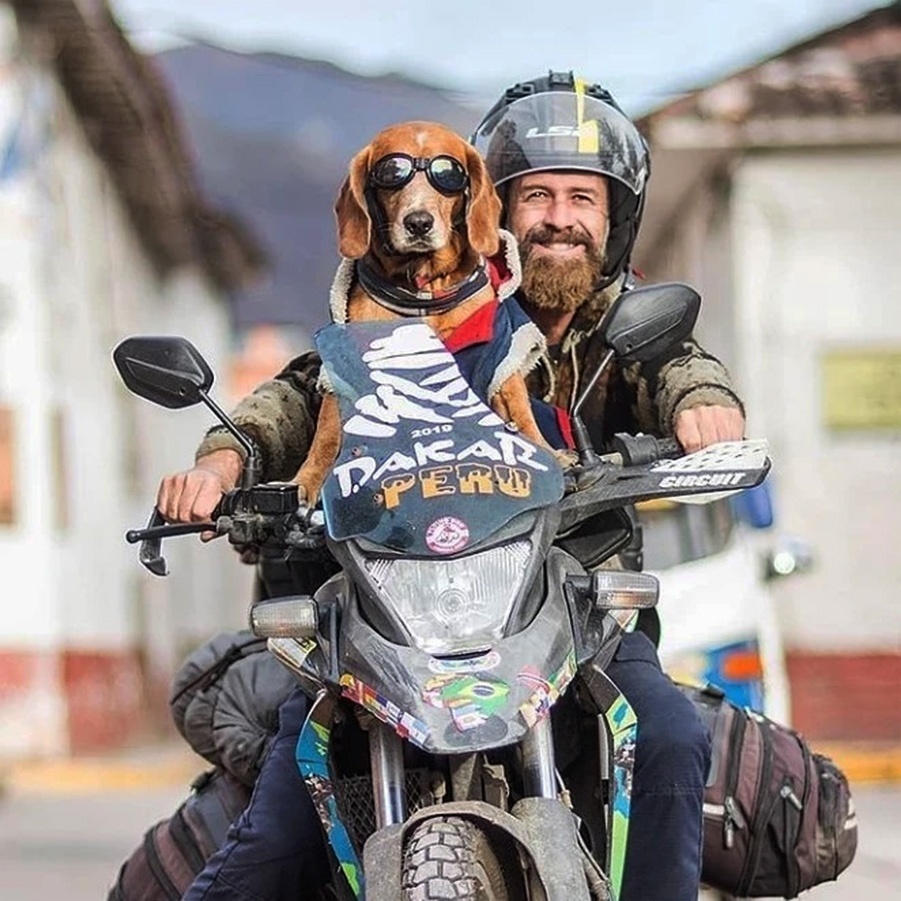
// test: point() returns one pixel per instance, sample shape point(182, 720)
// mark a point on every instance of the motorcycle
point(467, 607)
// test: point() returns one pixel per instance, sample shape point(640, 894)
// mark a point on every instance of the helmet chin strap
point(621, 265)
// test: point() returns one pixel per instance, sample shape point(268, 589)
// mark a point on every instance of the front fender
point(543, 827)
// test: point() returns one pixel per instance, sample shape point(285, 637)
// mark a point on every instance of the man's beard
point(561, 285)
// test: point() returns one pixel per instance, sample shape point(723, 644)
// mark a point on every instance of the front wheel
point(451, 858)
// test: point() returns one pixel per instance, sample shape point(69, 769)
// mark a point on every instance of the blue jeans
point(672, 757)
point(275, 850)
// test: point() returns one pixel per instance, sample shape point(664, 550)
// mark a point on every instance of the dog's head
point(411, 172)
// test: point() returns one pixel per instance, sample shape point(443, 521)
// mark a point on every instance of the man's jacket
point(634, 397)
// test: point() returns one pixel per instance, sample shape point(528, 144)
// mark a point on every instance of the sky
point(645, 51)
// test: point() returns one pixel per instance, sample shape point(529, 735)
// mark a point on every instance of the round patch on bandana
point(447, 535)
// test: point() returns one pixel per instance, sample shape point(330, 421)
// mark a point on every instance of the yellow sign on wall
point(862, 388)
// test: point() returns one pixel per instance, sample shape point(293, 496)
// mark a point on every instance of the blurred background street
point(65, 830)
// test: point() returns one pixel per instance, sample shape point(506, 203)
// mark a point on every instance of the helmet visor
point(562, 130)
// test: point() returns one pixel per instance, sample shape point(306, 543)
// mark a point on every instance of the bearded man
point(571, 169)
point(561, 219)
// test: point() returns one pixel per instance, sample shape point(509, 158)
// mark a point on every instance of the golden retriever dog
point(417, 216)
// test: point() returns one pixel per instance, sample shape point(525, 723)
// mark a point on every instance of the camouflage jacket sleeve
point(685, 377)
point(279, 416)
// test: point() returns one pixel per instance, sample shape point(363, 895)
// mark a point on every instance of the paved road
point(70, 845)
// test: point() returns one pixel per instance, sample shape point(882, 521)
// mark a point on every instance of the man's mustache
point(543, 234)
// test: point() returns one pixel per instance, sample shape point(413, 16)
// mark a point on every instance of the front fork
point(539, 767)
point(386, 757)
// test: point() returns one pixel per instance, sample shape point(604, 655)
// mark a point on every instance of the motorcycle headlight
point(456, 605)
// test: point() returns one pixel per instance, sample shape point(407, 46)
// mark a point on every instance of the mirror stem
point(250, 474)
point(582, 441)
point(581, 438)
point(591, 383)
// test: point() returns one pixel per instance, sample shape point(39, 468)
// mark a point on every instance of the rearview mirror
point(170, 372)
point(644, 322)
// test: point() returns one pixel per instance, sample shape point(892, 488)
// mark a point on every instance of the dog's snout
point(419, 223)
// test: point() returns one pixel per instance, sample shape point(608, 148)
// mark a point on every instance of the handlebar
point(626, 451)
point(669, 448)
point(268, 516)
point(265, 515)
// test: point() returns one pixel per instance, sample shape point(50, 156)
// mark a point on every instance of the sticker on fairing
point(471, 698)
point(545, 692)
point(447, 535)
point(404, 724)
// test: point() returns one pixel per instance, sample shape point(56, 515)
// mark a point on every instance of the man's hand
point(192, 495)
point(699, 426)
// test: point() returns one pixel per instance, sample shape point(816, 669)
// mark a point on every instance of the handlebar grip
point(641, 449)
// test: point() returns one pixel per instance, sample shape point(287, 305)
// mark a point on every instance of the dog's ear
point(484, 214)
point(354, 226)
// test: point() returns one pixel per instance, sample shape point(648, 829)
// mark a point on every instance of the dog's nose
point(419, 224)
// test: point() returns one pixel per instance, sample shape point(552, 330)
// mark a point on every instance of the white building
point(777, 193)
point(103, 234)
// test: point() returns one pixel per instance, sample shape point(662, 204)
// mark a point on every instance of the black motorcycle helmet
point(560, 122)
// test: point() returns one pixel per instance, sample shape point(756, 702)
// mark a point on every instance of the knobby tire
point(451, 859)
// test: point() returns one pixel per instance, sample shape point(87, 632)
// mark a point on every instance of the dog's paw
point(566, 458)
point(306, 497)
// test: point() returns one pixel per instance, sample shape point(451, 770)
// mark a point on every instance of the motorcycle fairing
point(448, 706)
point(425, 467)
point(304, 658)
point(312, 755)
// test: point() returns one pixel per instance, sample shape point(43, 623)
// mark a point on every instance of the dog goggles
point(445, 174)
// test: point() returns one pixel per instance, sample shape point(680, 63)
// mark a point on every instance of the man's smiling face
point(561, 222)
